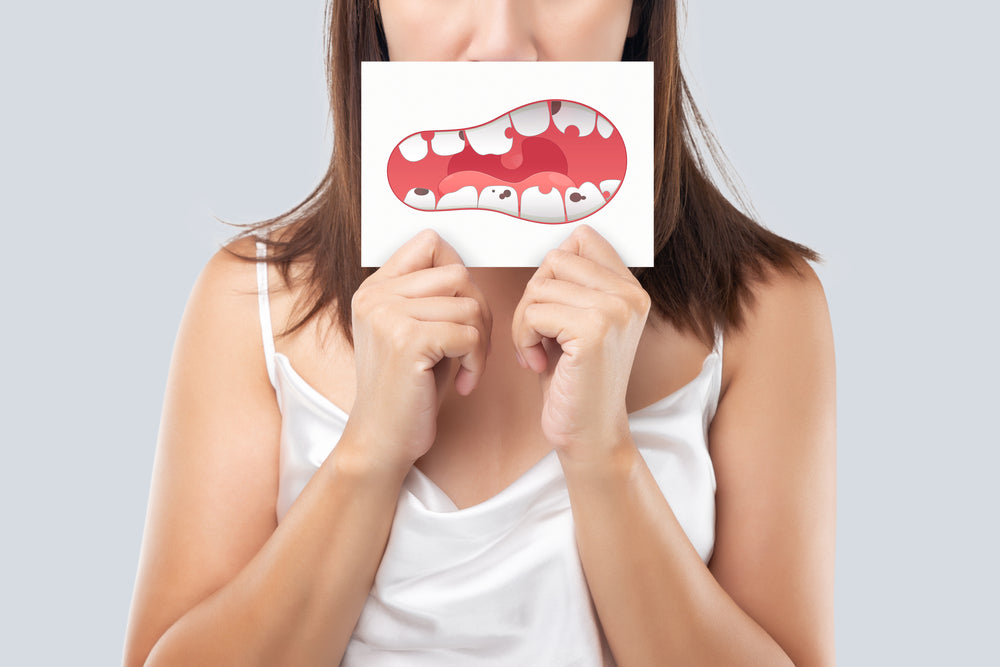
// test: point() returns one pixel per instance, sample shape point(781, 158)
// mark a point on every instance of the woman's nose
point(502, 30)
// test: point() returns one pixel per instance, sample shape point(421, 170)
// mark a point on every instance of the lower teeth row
point(552, 206)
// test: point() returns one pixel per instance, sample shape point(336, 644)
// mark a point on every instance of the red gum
point(591, 158)
point(545, 181)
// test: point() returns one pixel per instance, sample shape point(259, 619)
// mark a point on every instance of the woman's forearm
point(657, 601)
point(298, 599)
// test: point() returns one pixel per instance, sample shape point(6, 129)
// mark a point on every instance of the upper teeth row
point(551, 206)
point(493, 138)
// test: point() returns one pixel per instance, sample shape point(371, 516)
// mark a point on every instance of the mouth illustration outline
point(579, 156)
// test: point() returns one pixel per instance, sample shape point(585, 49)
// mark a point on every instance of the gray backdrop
point(864, 129)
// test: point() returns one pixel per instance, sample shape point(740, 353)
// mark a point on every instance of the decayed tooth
point(421, 198)
point(570, 113)
point(414, 148)
point(491, 139)
point(447, 143)
point(531, 120)
point(583, 201)
point(462, 198)
point(501, 198)
point(604, 127)
point(610, 187)
point(542, 207)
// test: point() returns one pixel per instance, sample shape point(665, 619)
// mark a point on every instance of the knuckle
point(401, 336)
point(457, 273)
point(429, 237)
point(621, 312)
point(598, 321)
point(643, 301)
point(470, 307)
point(359, 301)
point(472, 334)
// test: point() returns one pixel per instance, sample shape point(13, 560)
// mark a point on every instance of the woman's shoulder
point(787, 316)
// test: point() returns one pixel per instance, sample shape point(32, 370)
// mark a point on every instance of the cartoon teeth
point(528, 163)
point(531, 120)
point(610, 186)
point(565, 114)
point(491, 138)
point(583, 201)
point(421, 198)
point(462, 198)
point(414, 148)
point(501, 198)
point(540, 207)
point(447, 143)
point(604, 126)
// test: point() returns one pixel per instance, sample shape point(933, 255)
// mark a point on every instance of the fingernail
point(520, 361)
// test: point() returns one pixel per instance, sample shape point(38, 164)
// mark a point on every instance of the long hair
point(708, 253)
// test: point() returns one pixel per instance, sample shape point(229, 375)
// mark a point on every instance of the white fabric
point(499, 583)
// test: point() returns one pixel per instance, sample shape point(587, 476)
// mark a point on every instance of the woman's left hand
point(578, 324)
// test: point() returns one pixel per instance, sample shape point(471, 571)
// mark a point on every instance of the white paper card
point(504, 159)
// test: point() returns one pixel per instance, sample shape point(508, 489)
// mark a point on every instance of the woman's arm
point(219, 582)
point(767, 596)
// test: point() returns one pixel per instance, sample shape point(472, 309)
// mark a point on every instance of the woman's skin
point(435, 380)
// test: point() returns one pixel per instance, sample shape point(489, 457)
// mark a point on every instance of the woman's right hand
point(411, 320)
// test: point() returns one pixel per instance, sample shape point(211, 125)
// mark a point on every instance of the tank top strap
point(264, 308)
point(718, 339)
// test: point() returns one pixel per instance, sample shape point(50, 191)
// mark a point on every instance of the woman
point(520, 471)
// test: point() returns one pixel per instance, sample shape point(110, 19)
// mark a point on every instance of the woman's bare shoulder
point(787, 313)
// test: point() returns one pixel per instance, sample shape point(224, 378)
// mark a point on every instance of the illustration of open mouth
point(552, 161)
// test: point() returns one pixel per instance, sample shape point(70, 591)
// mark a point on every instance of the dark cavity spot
point(420, 192)
point(576, 196)
point(461, 135)
point(556, 105)
point(504, 194)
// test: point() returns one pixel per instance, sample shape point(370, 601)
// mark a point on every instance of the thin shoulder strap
point(264, 307)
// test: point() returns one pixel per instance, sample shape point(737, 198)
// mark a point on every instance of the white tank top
point(501, 582)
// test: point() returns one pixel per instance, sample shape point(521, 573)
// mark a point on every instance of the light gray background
point(866, 130)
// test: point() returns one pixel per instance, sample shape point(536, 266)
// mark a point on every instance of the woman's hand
point(411, 319)
point(578, 325)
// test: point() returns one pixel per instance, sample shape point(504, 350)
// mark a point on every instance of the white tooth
point(414, 148)
point(501, 198)
point(571, 113)
point(588, 197)
point(491, 139)
point(447, 143)
point(542, 207)
point(610, 187)
point(531, 120)
point(462, 198)
point(604, 127)
point(425, 201)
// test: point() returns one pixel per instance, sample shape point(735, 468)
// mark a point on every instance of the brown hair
point(707, 252)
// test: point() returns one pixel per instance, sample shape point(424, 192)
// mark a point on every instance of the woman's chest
point(487, 441)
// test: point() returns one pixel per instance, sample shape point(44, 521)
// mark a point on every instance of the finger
point(460, 310)
point(550, 290)
point(452, 280)
point(447, 280)
point(440, 340)
point(557, 321)
point(587, 242)
point(567, 265)
point(424, 250)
